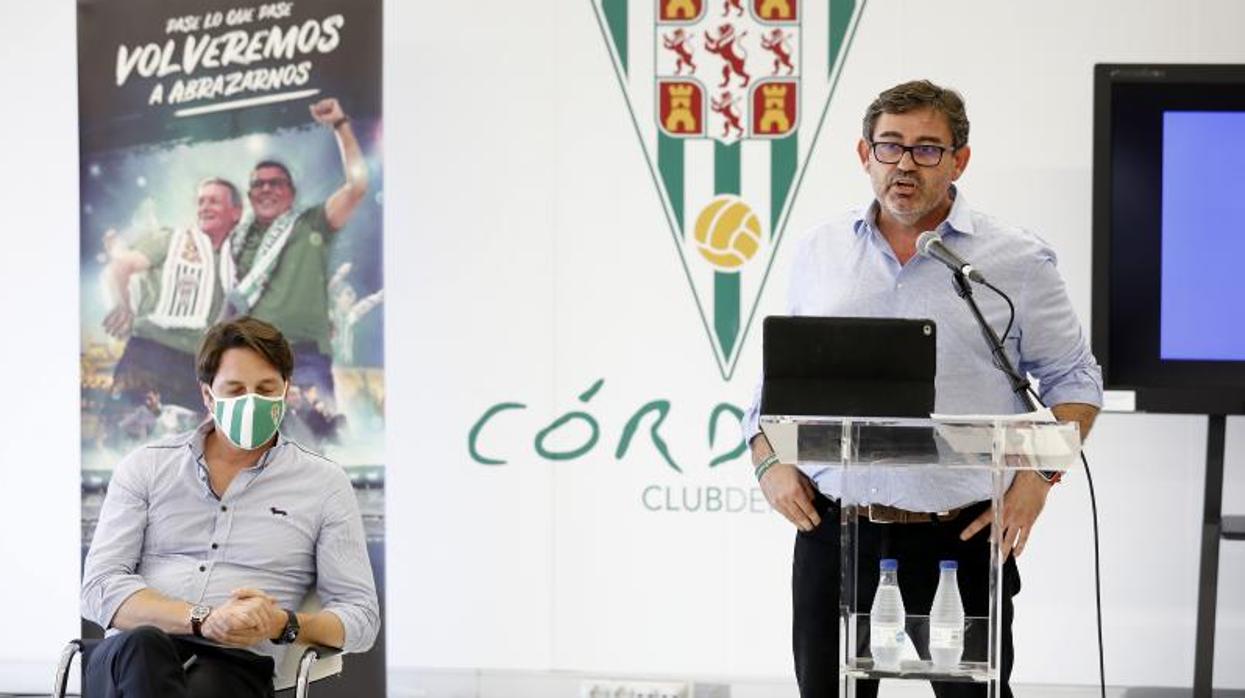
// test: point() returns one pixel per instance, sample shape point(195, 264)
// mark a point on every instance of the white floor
point(425, 683)
point(442, 683)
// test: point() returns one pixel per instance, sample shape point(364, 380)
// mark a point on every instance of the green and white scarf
point(188, 280)
point(244, 294)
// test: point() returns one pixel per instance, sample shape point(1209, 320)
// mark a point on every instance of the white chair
point(303, 664)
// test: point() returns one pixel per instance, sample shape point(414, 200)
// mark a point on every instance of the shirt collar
point(959, 219)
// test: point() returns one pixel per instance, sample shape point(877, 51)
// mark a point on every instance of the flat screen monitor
point(1169, 235)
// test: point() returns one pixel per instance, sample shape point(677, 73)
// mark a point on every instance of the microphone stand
point(1020, 383)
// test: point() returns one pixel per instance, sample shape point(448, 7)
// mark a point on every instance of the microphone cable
point(1093, 499)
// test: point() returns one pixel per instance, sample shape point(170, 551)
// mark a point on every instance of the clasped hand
point(248, 618)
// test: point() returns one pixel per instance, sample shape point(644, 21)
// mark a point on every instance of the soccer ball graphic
point(727, 232)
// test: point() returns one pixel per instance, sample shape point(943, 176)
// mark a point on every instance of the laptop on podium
point(850, 367)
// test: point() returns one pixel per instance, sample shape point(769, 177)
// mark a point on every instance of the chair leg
point(62, 667)
point(310, 655)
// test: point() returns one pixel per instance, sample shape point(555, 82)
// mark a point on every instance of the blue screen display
point(1202, 316)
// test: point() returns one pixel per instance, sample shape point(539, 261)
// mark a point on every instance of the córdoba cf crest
point(727, 97)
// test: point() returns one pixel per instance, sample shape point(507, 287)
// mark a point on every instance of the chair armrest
point(312, 654)
point(62, 667)
point(322, 651)
point(318, 652)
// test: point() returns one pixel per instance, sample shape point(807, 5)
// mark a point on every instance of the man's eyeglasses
point(923, 154)
point(274, 183)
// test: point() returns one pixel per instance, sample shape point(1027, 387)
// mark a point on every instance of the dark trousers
point(314, 369)
point(918, 547)
point(149, 366)
point(147, 663)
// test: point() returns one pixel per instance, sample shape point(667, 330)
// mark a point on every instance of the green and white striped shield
point(727, 97)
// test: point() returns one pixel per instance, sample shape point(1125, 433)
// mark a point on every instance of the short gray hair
point(920, 94)
point(234, 195)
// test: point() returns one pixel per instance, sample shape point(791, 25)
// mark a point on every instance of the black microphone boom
point(930, 244)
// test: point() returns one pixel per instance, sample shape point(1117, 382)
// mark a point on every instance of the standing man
point(208, 541)
point(914, 147)
point(190, 270)
point(283, 254)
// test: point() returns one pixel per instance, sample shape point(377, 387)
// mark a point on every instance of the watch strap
point(290, 632)
point(198, 614)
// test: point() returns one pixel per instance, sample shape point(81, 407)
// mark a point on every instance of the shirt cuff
point(750, 423)
point(1083, 387)
point(361, 627)
point(100, 605)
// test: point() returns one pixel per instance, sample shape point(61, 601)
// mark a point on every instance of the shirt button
point(224, 508)
point(215, 546)
point(202, 568)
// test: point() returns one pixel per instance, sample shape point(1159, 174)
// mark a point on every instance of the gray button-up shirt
point(285, 526)
point(847, 268)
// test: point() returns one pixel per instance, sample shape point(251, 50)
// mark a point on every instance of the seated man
point(208, 539)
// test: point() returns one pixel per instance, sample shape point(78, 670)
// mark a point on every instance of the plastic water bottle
point(886, 619)
point(946, 619)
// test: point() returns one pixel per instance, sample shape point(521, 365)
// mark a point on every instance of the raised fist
point(327, 112)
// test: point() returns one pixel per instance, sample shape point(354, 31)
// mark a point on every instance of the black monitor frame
point(1121, 305)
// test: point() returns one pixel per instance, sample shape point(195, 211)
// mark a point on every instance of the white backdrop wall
point(39, 469)
point(529, 259)
point(561, 271)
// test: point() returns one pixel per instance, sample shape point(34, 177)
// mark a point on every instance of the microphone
point(930, 244)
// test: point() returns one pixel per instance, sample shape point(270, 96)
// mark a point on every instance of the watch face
point(199, 613)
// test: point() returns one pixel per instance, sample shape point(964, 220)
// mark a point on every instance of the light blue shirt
point(285, 526)
point(846, 268)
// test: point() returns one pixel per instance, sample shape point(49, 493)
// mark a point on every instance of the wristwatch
point(198, 614)
point(290, 632)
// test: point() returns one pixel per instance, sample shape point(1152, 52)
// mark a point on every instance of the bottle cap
point(889, 565)
point(948, 565)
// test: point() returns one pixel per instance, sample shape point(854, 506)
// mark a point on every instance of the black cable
point(1093, 508)
point(1022, 386)
point(1011, 317)
point(1093, 505)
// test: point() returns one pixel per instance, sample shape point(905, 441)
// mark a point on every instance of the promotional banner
point(223, 146)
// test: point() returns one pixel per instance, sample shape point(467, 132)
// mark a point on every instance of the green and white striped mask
point(248, 421)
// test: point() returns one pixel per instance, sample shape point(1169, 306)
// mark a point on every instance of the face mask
point(248, 421)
